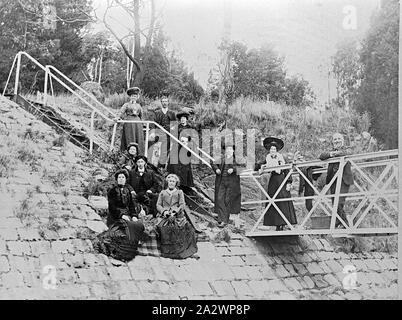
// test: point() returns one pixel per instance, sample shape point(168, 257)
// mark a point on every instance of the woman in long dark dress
point(132, 132)
point(227, 187)
point(182, 167)
point(273, 159)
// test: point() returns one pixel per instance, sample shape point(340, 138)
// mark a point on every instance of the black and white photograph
point(217, 151)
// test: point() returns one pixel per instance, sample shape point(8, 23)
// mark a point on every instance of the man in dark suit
point(339, 150)
point(163, 116)
point(145, 184)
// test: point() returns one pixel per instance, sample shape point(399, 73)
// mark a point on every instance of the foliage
point(368, 74)
point(347, 69)
point(260, 74)
point(23, 29)
point(378, 93)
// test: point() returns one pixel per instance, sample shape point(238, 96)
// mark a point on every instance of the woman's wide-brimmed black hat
point(273, 141)
point(141, 157)
point(182, 114)
point(122, 171)
point(133, 90)
point(132, 144)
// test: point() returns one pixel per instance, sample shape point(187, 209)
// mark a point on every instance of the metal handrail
point(48, 70)
point(362, 156)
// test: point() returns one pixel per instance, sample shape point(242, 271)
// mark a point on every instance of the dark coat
point(180, 127)
point(150, 180)
point(347, 176)
point(120, 202)
point(303, 184)
point(164, 119)
point(126, 160)
point(233, 180)
point(183, 171)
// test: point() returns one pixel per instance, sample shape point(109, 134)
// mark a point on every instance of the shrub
point(5, 165)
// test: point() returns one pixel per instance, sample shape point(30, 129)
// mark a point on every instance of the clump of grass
point(222, 235)
point(96, 188)
point(60, 141)
point(65, 192)
point(116, 100)
point(5, 165)
point(25, 212)
point(52, 224)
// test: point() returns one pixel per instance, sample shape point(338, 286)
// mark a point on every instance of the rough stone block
point(372, 265)
point(223, 288)
point(254, 260)
point(281, 271)
point(254, 272)
point(4, 265)
point(293, 284)
point(308, 282)
point(239, 272)
point(222, 271)
point(242, 288)
point(332, 280)
point(268, 273)
point(66, 276)
point(259, 287)
point(234, 261)
point(39, 247)
point(62, 246)
point(119, 273)
point(91, 275)
point(314, 268)
point(290, 268)
point(319, 281)
point(19, 247)
point(141, 273)
point(334, 266)
point(12, 279)
point(201, 288)
point(300, 269)
point(276, 285)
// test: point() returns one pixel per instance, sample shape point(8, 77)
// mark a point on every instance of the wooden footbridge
point(371, 204)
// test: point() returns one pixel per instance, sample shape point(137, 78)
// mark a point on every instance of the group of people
point(275, 217)
point(139, 193)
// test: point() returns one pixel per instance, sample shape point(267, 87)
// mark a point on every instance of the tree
point(378, 92)
point(260, 73)
point(133, 49)
point(347, 70)
point(51, 36)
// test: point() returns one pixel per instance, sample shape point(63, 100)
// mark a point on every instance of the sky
point(305, 32)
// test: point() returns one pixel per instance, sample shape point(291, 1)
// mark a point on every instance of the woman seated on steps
point(125, 230)
point(177, 235)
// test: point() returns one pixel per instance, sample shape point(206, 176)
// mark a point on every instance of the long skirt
point(133, 132)
point(177, 238)
point(272, 216)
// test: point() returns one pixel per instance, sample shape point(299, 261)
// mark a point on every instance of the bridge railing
point(90, 101)
point(375, 180)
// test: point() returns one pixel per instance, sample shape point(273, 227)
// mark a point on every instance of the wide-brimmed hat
point(133, 90)
point(140, 157)
point(182, 114)
point(132, 144)
point(272, 141)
